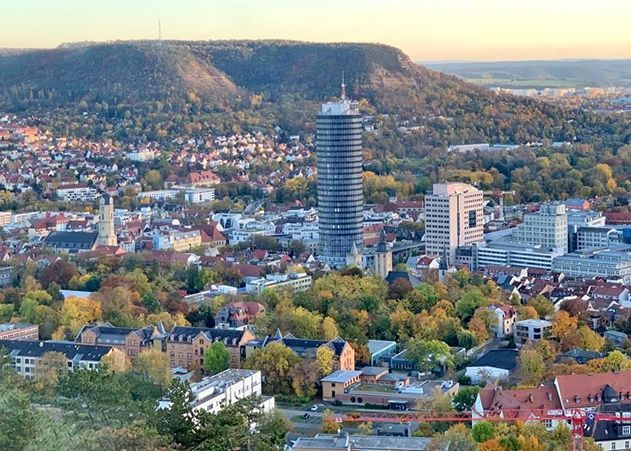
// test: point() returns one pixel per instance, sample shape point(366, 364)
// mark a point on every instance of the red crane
point(577, 419)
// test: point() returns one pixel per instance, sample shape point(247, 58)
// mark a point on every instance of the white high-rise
point(546, 228)
point(453, 217)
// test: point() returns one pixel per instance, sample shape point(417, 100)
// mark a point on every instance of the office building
point(340, 182)
point(546, 228)
point(613, 264)
point(508, 253)
point(216, 392)
point(453, 217)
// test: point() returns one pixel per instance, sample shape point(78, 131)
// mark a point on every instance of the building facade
point(19, 331)
point(215, 392)
point(453, 217)
point(185, 346)
point(546, 228)
point(340, 180)
point(25, 355)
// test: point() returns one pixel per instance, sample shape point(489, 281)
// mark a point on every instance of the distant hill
point(215, 85)
point(534, 73)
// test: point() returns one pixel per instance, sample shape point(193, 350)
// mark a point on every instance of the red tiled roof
point(577, 390)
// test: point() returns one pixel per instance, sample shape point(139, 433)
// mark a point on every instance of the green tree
point(483, 431)
point(179, 420)
point(532, 366)
point(216, 358)
point(429, 354)
point(465, 398)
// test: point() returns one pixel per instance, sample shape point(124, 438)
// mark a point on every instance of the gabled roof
point(586, 390)
point(70, 350)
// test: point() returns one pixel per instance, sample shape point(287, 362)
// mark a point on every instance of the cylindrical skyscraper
point(340, 183)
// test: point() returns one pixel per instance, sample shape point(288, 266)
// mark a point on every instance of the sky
point(427, 30)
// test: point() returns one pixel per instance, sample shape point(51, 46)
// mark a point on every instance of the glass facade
point(340, 182)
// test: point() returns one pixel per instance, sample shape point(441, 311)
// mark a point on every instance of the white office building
point(612, 264)
point(507, 253)
point(294, 282)
point(546, 228)
point(453, 217)
point(224, 389)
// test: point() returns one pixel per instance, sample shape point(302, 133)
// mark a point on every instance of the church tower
point(383, 257)
point(107, 234)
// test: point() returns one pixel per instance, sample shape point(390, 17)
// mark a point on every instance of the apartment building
point(343, 352)
point(453, 217)
point(531, 330)
point(128, 339)
point(185, 346)
point(77, 193)
point(25, 355)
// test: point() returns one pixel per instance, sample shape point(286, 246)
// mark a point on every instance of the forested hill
point(163, 86)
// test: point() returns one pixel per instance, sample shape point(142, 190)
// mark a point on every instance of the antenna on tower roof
point(343, 91)
point(159, 31)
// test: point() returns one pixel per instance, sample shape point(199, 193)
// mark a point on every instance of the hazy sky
point(425, 29)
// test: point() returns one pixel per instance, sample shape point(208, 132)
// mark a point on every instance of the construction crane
point(578, 419)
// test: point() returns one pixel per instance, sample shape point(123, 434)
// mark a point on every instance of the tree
point(532, 366)
point(365, 428)
point(50, 368)
point(563, 323)
point(153, 179)
point(465, 398)
point(117, 362)
point(304, 375)
point(582, 338)
point(325, 357)
point(483, 431)
point(76, 312)
point(329, 426)
point(542, 305)
point(152, 364)
point(614, 361)
point(274, 362)
point(216, 358)
point(429, 354)
point(179, 420)
point(329, 328)
point(457, 438)
point(467, 305)
point(60, 271)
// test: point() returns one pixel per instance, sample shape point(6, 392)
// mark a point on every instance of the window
point(626, 430)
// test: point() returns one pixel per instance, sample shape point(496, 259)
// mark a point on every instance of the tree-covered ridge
point(268, 83)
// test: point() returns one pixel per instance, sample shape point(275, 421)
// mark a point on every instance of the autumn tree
point(76, 312)
point(531, 366)
point(325, 358)
point(563, 323)
point(274, 361)
point(117, 362)
point(50, 368)
point(152, 364)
